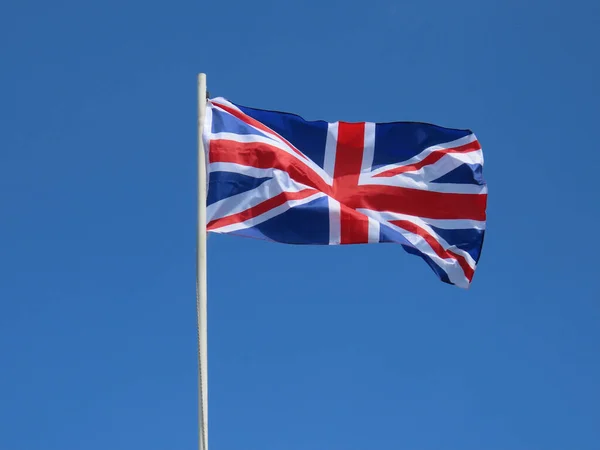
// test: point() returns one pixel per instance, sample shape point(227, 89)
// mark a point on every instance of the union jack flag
point(278, 177)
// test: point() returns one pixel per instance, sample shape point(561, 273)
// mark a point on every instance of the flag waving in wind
point(278, 177)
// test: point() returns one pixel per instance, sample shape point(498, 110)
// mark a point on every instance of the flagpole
point(201, 291)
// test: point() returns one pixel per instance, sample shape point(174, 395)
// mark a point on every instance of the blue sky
point(350, 348)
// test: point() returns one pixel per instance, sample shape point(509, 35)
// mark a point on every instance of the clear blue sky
point(312, 348)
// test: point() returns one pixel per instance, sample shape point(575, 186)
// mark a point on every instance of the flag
point(278, 177)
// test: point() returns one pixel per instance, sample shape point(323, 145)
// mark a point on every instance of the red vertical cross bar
point(348, 163)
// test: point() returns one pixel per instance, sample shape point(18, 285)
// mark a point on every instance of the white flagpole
point(201, 308)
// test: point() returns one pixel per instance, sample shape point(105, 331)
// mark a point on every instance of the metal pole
point(201, 308)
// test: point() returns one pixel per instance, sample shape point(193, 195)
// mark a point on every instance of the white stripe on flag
point(335, 224)
point(369, 147)
point(330, 148)
point(373, 231)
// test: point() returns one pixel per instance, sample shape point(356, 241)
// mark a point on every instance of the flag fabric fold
point(278, 177)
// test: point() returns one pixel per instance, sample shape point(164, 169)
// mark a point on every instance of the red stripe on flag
point(259, 209)
point(430, 159)
point(436, 246)
point(434, 205)
point(265, 156)
point(354, 226)
point(255, 123)
point(414, 202)
point(348, 161)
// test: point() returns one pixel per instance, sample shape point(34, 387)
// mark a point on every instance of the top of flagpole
point(202, 82)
